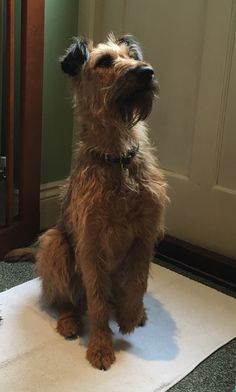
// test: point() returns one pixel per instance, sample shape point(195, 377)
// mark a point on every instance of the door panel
point(172, 41)
point(227, 165)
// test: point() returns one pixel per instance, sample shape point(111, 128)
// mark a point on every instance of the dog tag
point(125, 171)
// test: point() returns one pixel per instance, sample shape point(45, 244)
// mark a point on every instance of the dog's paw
point(101, 357)
point(69, 327)
point(128, 324)
point(144, 319)
point(127, 327)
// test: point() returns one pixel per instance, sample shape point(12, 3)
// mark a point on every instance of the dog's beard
point(134, 103)
point(135, 107)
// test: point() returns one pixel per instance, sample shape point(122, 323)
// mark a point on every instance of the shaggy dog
point(97, 257)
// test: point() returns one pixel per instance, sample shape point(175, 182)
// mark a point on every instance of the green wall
point(61, 20)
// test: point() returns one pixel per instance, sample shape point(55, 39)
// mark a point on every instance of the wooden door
point(20, 225)
point(192, 46)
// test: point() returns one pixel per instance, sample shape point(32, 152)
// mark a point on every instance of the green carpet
point(216, 374)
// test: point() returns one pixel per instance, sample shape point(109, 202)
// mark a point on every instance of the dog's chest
point(127, 198)
point(118, 230)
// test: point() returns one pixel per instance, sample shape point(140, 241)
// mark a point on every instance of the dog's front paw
point(128, 324)
point(69, 327)
point(144, 319)
point(101, 356)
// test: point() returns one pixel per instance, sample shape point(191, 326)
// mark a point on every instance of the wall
point(60, 25)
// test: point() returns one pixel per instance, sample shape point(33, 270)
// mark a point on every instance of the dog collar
point(123, 160)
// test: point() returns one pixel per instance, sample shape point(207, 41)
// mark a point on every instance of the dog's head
point(111, 80)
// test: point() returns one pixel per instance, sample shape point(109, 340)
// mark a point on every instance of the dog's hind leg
point(62, 285)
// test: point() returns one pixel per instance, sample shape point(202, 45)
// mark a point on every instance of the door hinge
point(3, 164)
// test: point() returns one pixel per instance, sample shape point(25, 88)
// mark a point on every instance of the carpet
point(187, 322)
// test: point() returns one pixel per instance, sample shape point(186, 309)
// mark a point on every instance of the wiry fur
point(100, 250)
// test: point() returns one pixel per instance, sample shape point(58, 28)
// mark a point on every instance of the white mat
point(187, 322)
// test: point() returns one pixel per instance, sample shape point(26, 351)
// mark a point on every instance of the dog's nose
point(144, 71)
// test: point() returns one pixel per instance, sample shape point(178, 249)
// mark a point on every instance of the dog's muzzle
point(142, 79)
point(145, 72)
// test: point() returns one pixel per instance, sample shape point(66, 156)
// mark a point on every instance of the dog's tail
point(21, 255)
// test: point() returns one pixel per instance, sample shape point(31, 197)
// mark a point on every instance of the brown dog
point(113, 203)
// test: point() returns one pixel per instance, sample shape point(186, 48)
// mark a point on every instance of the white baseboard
point(49, 203)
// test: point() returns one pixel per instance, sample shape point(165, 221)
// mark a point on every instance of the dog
point(97, 257)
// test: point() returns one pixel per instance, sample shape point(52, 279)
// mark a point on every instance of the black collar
point(123, 160)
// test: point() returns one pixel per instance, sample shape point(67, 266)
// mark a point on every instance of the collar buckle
point(107, 157)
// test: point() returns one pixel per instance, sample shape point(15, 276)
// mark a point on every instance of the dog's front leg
point(131, 285)
point(100, 351)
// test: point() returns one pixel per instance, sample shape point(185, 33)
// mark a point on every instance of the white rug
point(187, 322)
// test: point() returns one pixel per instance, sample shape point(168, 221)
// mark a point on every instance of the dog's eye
point(134, 55)
point(105, 62)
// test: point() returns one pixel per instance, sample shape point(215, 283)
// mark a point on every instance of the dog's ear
point(134, 47)
point(76, 55)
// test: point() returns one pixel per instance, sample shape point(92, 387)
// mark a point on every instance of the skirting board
point(206, 264)
point(49, 203)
